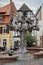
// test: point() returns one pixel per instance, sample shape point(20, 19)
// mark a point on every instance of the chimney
point(11, 12)
point(10, 1)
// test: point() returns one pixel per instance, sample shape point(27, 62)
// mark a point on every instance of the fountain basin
point(6, 58)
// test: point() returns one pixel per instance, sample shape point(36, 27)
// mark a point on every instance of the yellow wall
point(6, 36)
point(10, 39)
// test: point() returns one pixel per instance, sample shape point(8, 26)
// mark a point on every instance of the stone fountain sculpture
point(25, 21)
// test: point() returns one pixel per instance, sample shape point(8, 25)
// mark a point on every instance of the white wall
point(40, 32)
point(42, 13)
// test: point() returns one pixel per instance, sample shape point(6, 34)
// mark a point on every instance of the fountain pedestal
point(22, 50)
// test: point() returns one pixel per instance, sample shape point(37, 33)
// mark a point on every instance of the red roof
point(6, 9)
point(6, 12)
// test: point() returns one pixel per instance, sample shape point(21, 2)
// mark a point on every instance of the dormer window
point(2, 12)
point(1, 19)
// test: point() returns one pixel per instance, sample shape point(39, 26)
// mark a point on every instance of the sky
point(32, 4)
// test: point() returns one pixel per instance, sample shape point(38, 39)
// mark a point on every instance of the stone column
point(22, 39)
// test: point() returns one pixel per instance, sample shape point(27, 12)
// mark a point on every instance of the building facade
point(10, 38)
point(39, 15)
point(6, 13)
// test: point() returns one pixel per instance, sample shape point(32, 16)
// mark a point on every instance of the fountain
point(24, 22)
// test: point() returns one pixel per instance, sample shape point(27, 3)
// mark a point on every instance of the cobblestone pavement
point(25, 59)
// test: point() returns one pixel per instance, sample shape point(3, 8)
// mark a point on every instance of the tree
point(30, 39)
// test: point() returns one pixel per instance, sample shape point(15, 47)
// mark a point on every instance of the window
point(16, 33)
point(28, 14)
point(15, 43)
point(0, 30)
point(5, 30)
point(1, 19)
point(32, 16)
point(4, 42)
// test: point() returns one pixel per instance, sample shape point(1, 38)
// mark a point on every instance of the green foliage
point(30, 39)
